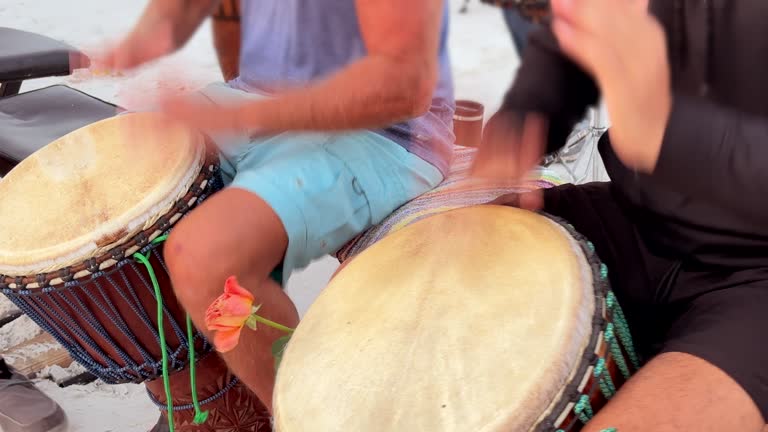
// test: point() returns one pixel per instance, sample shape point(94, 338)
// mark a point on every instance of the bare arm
point(394, 82)
point(164, 27)
point(226, 37)
point(182, 17)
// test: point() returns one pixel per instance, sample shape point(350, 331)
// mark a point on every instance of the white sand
point(98, 407)
point(484, 64)
point(7, 308)
point(18, 331)
point(59, 374)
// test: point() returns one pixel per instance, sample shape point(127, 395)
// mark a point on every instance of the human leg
point(293, 198)
point(707, 344)
point(677, 392)
point(233, 233)
point(711, 374)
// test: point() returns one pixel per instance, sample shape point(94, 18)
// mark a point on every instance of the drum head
point(470, 320)
point(92, 190)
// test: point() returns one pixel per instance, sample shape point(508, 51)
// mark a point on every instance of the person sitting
point(679, 225)
point(341, 112)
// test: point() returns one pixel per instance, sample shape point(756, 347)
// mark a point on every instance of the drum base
point(234, 410)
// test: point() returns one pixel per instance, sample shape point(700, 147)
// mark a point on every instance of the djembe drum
point(81, 227)
point(486, 318)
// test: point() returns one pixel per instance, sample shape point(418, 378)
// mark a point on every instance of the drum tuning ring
point(66, 274)
point(164, 224)
point(91, 265)
point(182, 207)
point(141, 240)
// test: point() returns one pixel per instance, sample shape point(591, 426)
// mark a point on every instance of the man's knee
point(189, 261)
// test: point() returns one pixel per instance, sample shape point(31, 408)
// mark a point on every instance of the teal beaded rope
point(617, 326)
point(616, 337)
point(604, 379)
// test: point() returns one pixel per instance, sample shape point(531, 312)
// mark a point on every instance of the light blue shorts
point(325, 187)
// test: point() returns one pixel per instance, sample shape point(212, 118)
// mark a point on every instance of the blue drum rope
point(622, 328)
point(604, 379)
point(583, 409)
point(616, 335)
point(618, 356)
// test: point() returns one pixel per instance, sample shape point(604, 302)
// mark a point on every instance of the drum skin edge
point(578, 375)
point(588, 279)
point(54, 159)
point(104, 312)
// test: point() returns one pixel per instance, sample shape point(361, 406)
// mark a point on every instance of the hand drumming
point(624, 48)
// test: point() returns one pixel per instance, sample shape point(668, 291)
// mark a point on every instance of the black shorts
point(673, 306)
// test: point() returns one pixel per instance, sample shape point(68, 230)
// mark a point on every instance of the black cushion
point(32, 120)
point(25, 55)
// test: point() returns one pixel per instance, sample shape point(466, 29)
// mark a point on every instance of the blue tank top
point(288, 43)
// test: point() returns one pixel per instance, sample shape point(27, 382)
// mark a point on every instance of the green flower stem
point(272, 324)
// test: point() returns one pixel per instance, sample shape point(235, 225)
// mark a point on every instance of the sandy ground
point(484, 63)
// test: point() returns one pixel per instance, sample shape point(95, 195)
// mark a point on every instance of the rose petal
point(228, 310)
point(214, 325)
point(226, 341)
point(231, 286)
point(226, 321)
point(236, 306)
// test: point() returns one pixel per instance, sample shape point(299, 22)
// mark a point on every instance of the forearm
point(717, 155)
point(180, 17)
point(226, 37)
point(374, 92)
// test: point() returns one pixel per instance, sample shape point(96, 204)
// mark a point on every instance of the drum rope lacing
point(617, 337)
point(583, 408)
point(113, 372)
point(200, 416)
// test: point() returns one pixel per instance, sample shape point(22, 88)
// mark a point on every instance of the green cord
point(261, 319)
point(166, 381)
point(200, 416)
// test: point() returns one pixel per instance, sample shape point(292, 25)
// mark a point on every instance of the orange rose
point(228, 314)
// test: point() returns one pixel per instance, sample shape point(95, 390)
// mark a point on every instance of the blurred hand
point(625, 50)
point(137, 48)
point(533, 200)
point(511, 148)
point(203, 115)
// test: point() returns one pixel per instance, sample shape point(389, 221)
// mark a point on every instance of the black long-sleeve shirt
point(707, 200)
